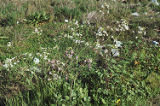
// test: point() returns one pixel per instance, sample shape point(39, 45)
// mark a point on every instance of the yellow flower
point(118, 101)
point(41, 23)
point(136, 62)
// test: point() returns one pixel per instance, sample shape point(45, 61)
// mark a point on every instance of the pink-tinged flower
point(69, 53)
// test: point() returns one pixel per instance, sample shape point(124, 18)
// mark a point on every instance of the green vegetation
point(79, 52)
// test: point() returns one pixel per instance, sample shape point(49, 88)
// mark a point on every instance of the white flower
point(146, 13)
point(30, 54)
point(99, 34)
point(56, 77)
point(63, 64)
point(155, 2)
point(100, 29)
point(17, 22)
point(66, 20)
point(98, 45)
point(72, 29)
point(105, 33)
point(35, 69)
point(45, 57)
point(77, 41)
point(87, 44)
point(126, 27)
point(82, 41)
point(155, 42)
point(70, 37)
point(9, 44)
point(77, 34)
point(8, 63)
point(100, 11)
point(106, 51)
point(27, 70)
point(140, 28)
point(56, 47)
point(140, 32)
point(38, 54)
point(36, 30)
point(102, 6)
point(117, 29)
point(118, 44)
point(106, 5)
point(135, 14)
point(115, 52)
point(144, 32)
point(76, 23)
point(50, 73)
point(36, 60)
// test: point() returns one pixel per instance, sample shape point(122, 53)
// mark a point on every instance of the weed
point(37, 18)
point(8, 21)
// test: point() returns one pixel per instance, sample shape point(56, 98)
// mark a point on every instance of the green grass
point(60, 52)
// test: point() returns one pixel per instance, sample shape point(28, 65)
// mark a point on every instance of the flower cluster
point(36, 60)
point(101, 32)
point(56, 65)
point(105, 7)
point(10, 62)
point(75, 35)
point(77, 41)
point(34, 69)
point(103, 51)
point(141, 30)
point(88, 62)
point(122, 26)
point(69, 53)
point(118, 44)
point(155, 43)
point(85, 62)
point(66, 21)
point(53, 76)
point(43, 55)
point(9, 44)
point(100, 49)
point(38, 31)
point(115, 51)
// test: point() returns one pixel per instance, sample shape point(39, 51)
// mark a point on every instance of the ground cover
point(76, 52)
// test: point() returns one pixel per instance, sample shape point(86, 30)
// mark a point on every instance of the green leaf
point(3, 37)
point(103, 101)
point(134, 55)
